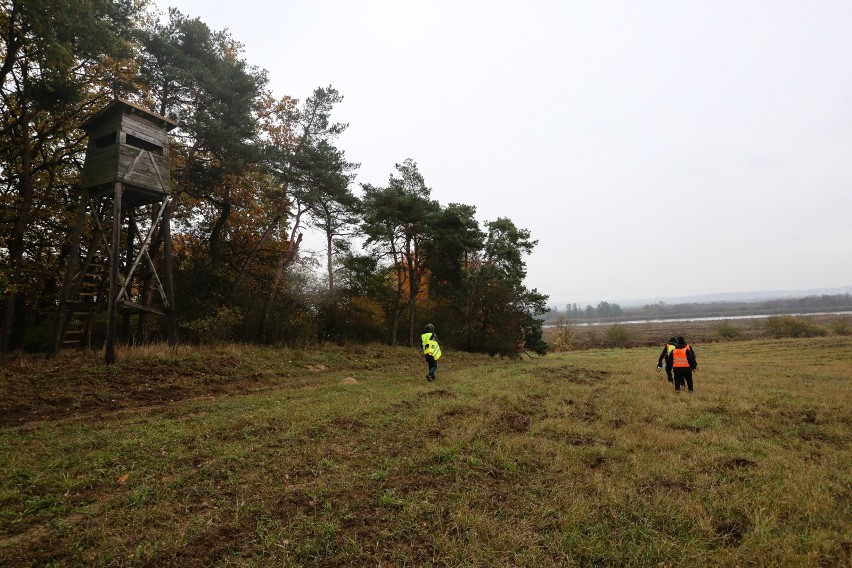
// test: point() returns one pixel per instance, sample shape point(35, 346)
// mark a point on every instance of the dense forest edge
point(250, 172)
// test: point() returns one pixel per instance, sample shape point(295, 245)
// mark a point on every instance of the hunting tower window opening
point(144, 144)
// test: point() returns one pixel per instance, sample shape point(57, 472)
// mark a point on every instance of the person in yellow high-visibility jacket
point(431, 350)
point(667, 348)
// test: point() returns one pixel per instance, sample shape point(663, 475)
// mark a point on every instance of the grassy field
point(347, 457)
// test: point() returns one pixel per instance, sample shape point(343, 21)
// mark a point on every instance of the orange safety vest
point(679, 358)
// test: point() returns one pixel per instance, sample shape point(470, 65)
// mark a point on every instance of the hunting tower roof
point(132, 108)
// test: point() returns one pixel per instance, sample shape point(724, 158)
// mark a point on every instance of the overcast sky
point(654, 148)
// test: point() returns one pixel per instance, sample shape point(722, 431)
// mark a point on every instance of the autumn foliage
point(251, 173)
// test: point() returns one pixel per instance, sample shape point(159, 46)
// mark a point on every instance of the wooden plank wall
point(126, 163)
point(142, 168)
point(105, 126)
point(145, 130)
point(100, 166)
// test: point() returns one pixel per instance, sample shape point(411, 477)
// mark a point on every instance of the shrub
point(218, 326)
point(618, 336)
point(563, 339)
point(593, 339)
point(789, 326)
point(727, 330)
point(840, 327)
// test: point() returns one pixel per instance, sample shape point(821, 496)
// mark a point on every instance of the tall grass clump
point(790, 326)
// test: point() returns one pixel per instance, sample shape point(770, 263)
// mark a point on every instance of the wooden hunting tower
point(125, 196)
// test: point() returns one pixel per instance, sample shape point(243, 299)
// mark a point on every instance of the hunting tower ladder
point(122, 217)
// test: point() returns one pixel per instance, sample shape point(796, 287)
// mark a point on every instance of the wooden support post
point(128, 261)
point(115, 248)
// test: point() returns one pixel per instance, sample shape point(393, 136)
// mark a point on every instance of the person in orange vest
point(431, 350)
point(667, 348)
point(683, 363)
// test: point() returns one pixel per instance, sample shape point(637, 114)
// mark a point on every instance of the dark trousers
point(669, 372)
point(433, 365)
point(683, 375)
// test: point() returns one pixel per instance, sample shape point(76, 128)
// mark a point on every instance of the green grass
point(263, 457)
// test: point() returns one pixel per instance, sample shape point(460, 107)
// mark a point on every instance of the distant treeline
point(574, 311)
point(613, 312)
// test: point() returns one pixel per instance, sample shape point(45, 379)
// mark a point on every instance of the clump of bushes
point(216, 327)
point(563, 339)
point(727, 330)
point(790, 326)
point(593, 339)
point(618, 336)
point(841, 327)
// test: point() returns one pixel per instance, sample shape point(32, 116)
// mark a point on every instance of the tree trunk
point(285, 259)
point(415, 275)
point(328, 248)
point(400, 305)
point(16, 241)
point(216, 231)
point(254, 251)
point(169, 283)
point(413, 290)
point(394, 326)
point(412, 308)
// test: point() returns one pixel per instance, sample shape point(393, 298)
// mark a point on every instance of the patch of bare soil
point(573, 439)
point(457, 411)
point(511, 422)
point(686, 428)
point(730, 531)
point(440, 393)
point(737, 463)
point(59, 390)
point(595, 461)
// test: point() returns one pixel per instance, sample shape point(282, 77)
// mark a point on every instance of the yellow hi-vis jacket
point(430, 346)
